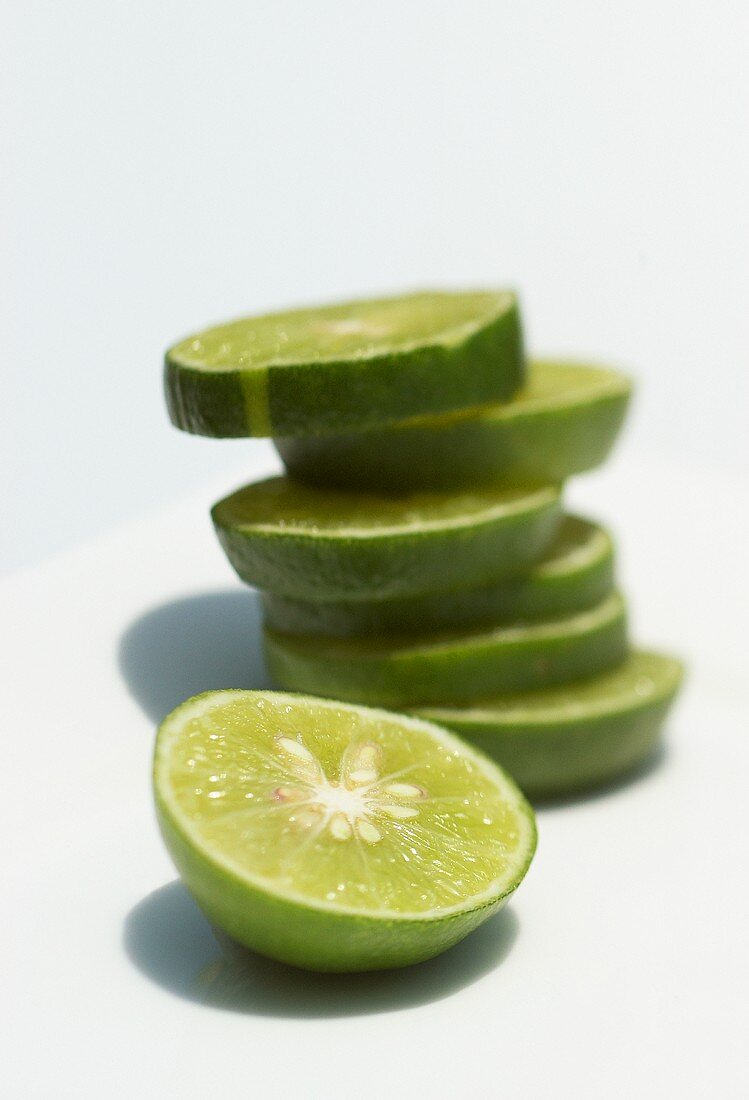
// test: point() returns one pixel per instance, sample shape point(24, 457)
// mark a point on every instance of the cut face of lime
point(564, 421)
point(576, 572)
point(335, 837)
point(317, 544)
point(452, 667)
point(563, 739)
point(360, 364)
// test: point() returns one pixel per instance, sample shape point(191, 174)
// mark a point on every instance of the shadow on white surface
point(169, 940)
point(193, 644)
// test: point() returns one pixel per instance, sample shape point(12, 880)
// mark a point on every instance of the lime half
point(576, 572)
point(355, 365)
point(567, 738)
point(335, 837)
point(323, 544)
point(451, 667)
point(564, 421)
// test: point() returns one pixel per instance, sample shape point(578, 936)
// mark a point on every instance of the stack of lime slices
point(415, 557)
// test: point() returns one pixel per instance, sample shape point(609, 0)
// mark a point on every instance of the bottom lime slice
point(453, 667)
point(560, 740)
point(335, 837)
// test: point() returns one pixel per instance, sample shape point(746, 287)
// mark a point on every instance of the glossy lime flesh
point(335, 837)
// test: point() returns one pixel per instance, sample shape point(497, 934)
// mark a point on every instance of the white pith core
point(349, 806)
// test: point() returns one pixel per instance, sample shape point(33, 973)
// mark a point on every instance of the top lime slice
point(563, 421)
point(360, 364)
point(324, 544)
point(336, 837)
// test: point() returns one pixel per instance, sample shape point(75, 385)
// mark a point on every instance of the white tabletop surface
point(620, 969)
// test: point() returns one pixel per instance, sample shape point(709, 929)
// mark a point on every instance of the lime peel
point(325, 545)
point(564, 421)
point(451, 667)
point(576, 573)
point(358, 364)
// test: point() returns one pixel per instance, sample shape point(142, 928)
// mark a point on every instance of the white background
point(169, 164)
point(166, 165)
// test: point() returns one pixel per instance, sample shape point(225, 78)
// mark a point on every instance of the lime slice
point(323, 544)
point(575, 573)
point(336, 837)
point(451, 668)
point(564, 739)
point(563, 422)
point(356, 365)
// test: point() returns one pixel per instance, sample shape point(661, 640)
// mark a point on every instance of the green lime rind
point(260, 871)
point(451, 668)
point(563, 422)
point(561, 740)
point(356, 365)
point(326, 545)
point(576, 573)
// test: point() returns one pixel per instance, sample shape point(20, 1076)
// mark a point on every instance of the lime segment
point(360, 364)
point(335, 837)
point(564, 421)
point(567, 738)
point(576, 572)
point(452, 667)
point(315, 544)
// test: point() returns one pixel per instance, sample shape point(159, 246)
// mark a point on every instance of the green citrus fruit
point(564, 421)
point(563, 739)
point(576, 572)
point(324, 544)
point(451, 667)
point(360, 364)
point(336, 837)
